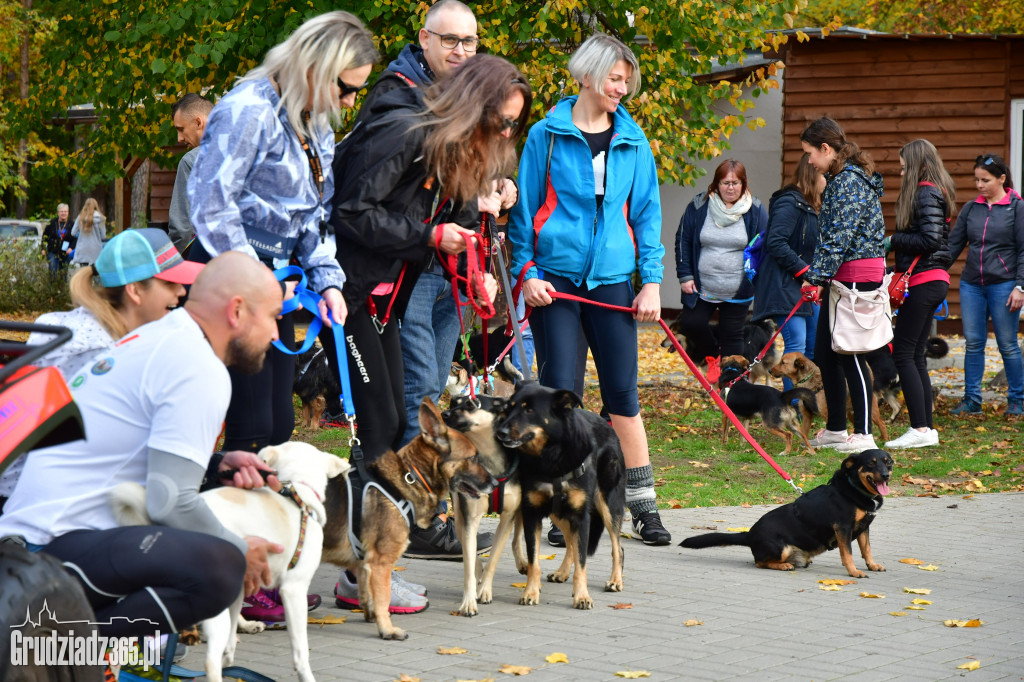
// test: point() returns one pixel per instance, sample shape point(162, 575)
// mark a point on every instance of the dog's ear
point(565, 401)
point(270, 454)
point(850, 462)
point(432, 426)
point(336, 465)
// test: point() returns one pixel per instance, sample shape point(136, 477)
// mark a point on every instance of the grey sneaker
point(828, 439)
point(403, 599)
point(857, 442)
point(914, 439)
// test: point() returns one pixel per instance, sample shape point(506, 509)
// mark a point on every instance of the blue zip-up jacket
point(574, 239)
point(252, 189)
point(850, 222)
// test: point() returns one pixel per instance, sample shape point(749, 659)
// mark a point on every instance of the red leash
point(693, 368)
point(771, 342)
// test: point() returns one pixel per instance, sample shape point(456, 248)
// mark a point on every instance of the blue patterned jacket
point(850, 222)
point(252, 189)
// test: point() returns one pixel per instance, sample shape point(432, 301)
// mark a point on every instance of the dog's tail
point(804, 396)
point(128, 502)
point(716, 540)
point(936, 347)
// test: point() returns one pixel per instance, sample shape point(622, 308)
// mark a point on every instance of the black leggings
point(839, 372)
point(377, 374)
point(172, 577)
point(727, 339)
point(261, 412)
point(913, 324)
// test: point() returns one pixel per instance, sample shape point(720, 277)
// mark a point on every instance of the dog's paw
point(557, 577)
point(468, 608)
point(583, 602)
point(485, 595)
point(613, 586)
point(396, 634)
point(856, 573)
point(251, 627)
point(522, 568)
point(530, 597)
point(876, 567)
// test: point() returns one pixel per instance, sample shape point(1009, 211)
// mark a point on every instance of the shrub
point(26, 281)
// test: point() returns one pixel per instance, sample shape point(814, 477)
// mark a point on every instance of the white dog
point(269, 515)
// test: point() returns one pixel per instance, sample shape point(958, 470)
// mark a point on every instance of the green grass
point(693, 469)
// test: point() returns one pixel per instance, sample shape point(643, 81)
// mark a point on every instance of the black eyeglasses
point(508, 124)
point(347, 89)
point(450, 42)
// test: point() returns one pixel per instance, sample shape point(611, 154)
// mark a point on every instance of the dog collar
point(411, 479)
point(806, 378)
point(304, 513)
point(858, 487)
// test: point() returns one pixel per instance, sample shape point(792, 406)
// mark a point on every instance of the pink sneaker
point(263, 606)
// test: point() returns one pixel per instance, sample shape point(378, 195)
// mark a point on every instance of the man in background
point(189, 116)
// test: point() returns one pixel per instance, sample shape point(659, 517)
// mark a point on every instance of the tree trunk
point(140, 196)
point(21, 211)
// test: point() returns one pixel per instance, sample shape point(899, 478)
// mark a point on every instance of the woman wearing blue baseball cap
point(137, 278)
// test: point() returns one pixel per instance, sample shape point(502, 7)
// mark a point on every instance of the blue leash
point(310, 300)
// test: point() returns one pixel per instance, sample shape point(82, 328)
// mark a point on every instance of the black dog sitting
point(313, 381)
point(571, 467)
point(824, 518)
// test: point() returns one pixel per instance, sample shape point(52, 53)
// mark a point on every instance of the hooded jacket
point(850, 222)
point(927, 235)
point(790, 239)
point(688, 243)
point(409, 66)
point(994, 236)
point(385, 205)
point(558, 225)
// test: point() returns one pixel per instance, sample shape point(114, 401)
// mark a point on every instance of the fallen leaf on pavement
point(973, 623)
point(620, 605)
point(868, 595)
point(916, 590)
point(519, 585)
point(451, 650)
point(897, 613)
point(738, 529)
point(912, 562)
point(921, 602)
point(704, 527)
point(830, 588)
point(837, 582)
point(407, 678)
point(972, 665)
point(510, 669)
point(549, 557)
point(914, 608)
point(326, 620)
point(557, 657)
point(693, 621)
point(632, 674)
point(746, 505)
point(398, 568)
point(929, 567)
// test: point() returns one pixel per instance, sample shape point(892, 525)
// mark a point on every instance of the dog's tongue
point(882, 487)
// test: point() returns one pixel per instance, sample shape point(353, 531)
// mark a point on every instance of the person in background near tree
point(992, 282)
point(58, 244)
point(926, 203)
point(715, 228)
point(90, 229)
point(588, 223)
point(189, 116)
point(789, 242)
point(262, 184)
point(850, 251)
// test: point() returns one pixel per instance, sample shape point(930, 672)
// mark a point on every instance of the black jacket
point(994, 236)
point(790, 239)
point(52, 240)
point(927, 235)
point(384, 203)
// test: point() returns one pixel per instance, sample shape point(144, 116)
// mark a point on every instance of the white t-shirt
point(162, 387)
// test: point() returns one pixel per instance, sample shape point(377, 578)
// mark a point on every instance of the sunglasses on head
point(347, 89)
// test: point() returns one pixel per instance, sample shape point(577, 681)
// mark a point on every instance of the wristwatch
point(1019, 288)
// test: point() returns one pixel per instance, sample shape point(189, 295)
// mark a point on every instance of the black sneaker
point(648, 525)
point(440, 542)
point(555, 537)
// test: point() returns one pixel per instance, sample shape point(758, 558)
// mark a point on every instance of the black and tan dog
point(420, 474)
point(571, 467)
point(774, 407)
point(313, 380)
point(475, 419)
point(827, 517)
point(755, 338)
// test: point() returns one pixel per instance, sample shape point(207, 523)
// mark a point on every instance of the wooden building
point(961, 92)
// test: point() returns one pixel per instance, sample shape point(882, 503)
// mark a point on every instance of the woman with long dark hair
point(923, 210)
point(849, 251)
point(992, 283)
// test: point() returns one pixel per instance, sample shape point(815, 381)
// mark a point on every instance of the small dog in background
point(474, 365)
point(755, 337)
point(313, 380)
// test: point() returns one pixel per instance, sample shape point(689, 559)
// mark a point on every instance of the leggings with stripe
point(839, 372)
point(145, 578)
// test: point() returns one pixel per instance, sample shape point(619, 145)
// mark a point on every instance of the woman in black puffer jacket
point(789, 242)
point(923, 211)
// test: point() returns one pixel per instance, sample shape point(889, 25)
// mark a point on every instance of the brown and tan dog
point(421, 473)
point(805, 374)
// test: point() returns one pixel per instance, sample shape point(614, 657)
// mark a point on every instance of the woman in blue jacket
point(715, 228)
point(588, 214)
point(790, 239)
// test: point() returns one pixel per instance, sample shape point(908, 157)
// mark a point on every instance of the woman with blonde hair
point(927, 201)
point(137, 278)
point(90, 229)
point(588, 220)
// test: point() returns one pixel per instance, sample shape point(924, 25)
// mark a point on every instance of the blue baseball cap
point(135, 255)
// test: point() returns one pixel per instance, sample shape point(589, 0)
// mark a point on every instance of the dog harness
point(498, 494)
point(556, 497)
point(357, 494)
point(305, 512)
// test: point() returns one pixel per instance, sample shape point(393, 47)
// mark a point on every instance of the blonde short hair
point(596, 58)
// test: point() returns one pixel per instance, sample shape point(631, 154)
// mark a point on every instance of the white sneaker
point(914, 439)
point(857, 442)
point(828, 439)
